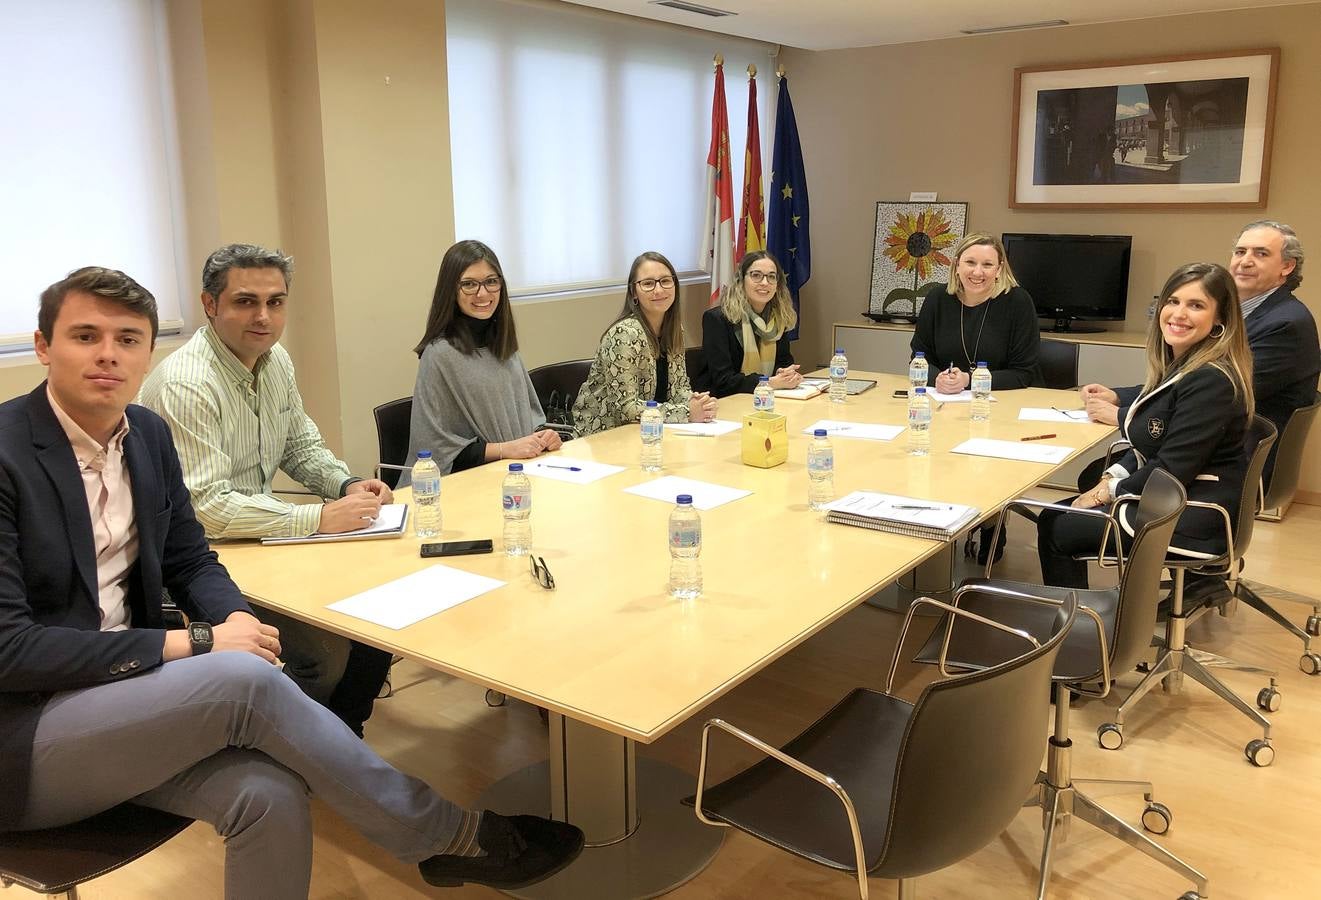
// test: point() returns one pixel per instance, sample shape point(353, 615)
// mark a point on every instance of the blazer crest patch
point(1156, 427)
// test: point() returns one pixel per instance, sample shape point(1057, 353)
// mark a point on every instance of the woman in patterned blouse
point(641, 357)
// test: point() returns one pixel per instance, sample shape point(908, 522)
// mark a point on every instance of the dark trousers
point(1061, 536)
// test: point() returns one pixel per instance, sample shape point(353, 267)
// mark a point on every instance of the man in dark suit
point(101, 701)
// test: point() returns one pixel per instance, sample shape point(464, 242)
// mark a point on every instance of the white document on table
point(389, 523)
point(1037, 414)
point(574, 471)
point(705, 429)
point(399, 603)
point(705, 495)
point(960, 397)
point(806, 390)
point(1025, 451)
point(867, 431)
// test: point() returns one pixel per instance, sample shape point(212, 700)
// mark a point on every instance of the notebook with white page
point(399, 603)
point(390, 522)
point(806, 390)
point(1025, 451)
point(913, 516)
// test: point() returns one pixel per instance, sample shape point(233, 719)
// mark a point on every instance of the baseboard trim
point(1311, 498)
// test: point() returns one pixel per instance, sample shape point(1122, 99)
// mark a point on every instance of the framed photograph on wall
point(910, 255)
point(1165, 133)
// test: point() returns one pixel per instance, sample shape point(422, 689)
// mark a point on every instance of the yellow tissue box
point(765, 439)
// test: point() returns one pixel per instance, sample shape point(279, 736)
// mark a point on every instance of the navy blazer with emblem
point(50, 616)
point(1193, 426)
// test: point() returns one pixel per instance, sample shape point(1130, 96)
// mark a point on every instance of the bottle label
point(919, 418)
point(839, 371)
point(426, 487)
point(517, 500)
point(764, 401)
point(652, 430)
point(821, 461)
point(686, 536)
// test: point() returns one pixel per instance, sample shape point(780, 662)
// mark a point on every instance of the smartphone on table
point(456, 548)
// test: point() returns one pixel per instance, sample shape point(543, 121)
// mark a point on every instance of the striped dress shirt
point(234, 429)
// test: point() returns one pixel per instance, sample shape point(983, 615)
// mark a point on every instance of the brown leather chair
point(393, 420)
point(1110, 635)
point(884, 787)
point(55, 861)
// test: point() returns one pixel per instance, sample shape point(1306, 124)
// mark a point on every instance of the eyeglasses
point(541, 572)
point(759, 277)
point(470, 286)
point(650, 284)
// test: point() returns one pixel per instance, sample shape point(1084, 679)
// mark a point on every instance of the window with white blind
point(579, 139)
point(88, 169)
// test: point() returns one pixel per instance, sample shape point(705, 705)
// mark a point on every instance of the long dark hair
point(670, 338)
point(446, 320)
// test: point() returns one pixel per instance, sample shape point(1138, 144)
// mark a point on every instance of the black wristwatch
point(199, 638)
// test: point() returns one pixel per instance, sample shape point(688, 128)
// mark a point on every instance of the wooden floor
point(1253, 831)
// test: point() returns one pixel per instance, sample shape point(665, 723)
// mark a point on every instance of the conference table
point(613, 658)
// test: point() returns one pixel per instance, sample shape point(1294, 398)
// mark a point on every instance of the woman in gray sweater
point(473, 402)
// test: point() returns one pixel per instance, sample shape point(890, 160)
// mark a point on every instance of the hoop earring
point(1217, 335)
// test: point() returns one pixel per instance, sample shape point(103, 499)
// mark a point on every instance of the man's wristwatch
point(200, 638)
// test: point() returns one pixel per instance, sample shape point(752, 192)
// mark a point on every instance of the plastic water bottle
point(763, 397)
point(685, 549)
point(919, 423)
point(839, 374)
point(426, 496)
point(653, 431)
point(516, 499)
point(820, 470)
point(917, 371)
point(981, 393)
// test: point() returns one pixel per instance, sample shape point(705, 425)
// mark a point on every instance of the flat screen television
point(1073, 277)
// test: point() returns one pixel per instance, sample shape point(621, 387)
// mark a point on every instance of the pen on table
point(940, 405)
point(1037, 437)
point(1069, 413)
point(916, 506)
point(691, 433)
point(565, 468)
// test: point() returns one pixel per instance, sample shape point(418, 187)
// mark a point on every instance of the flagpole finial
point(718, 59)
point(779, 72)
point(752, 71)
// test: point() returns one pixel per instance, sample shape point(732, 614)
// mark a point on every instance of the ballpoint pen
point(916, 506)
point(691, 433)
point(565, 468)
point(1070, 413)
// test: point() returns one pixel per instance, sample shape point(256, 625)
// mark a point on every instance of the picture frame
point(1175, 132)
point(910, 255)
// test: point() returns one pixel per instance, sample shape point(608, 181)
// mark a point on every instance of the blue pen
point(565, 468)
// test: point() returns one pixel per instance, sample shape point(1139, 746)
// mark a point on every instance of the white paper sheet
point(705, 494)
point(390, 521)
point(960, 397)
point(574, 471)
point(867, 431)
point(705, 429)
point(1027, 451)
point(1037, 414)
point(399, 603)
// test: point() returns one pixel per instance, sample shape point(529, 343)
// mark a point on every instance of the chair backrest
point(1261, 435)
point(393, 420)
point(971, 753)
point(557, 386)
point(1059, 364)
point(1154, 520)
point(1289, 456)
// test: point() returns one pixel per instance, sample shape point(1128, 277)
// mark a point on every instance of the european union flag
point(786, 214)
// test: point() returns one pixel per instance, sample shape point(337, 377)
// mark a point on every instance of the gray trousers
point(227, 739)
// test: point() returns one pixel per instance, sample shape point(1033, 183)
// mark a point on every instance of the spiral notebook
point(913, 516)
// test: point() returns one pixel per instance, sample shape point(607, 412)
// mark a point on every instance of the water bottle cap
point(919, 355)
point(765, 378)
point(684, 499)
point(921, 391)
point(839, 350)
point(981, 365)
point(424, 454)
point(651, 403)
point(820, 432)
point(515, 467)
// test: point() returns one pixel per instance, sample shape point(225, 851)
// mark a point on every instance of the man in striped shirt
point(232, 403)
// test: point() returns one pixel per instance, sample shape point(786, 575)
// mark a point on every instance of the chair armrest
point(787, 760)
point(393, 468)
point(1110, 451)
point(1024, 503)
point(1105, 654)
point(1229, 537)
point(954, 610)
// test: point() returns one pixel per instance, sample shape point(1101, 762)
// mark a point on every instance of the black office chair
point(1177, 658)
point(1059, 364)
point(1110, 635)
point(54, 861)
point(880, 786)
point(393, 420)
point(557, 386)
point(694, 361)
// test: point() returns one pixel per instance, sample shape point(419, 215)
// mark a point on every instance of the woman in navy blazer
point(1190, 418)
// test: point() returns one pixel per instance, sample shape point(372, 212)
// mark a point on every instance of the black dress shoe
point(520, 850)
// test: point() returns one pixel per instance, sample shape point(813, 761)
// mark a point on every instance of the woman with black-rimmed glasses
point(473, 402)
point(745, 337)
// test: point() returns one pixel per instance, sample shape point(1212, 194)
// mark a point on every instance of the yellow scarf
point(759, 339)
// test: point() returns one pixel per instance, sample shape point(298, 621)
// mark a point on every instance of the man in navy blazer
point(102, 701)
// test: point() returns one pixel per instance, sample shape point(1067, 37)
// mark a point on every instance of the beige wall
point(879, 122)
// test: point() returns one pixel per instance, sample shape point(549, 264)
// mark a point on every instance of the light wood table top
point(609, 647)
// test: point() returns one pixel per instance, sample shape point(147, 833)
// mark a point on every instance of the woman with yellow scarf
point(744, 337)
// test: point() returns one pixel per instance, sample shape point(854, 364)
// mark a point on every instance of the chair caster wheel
point(1156, 818)
point(1314, 625)
point(1259, 753)
point(1268, 699)
point(495, 698)
point(1109, 736)
point(386, 691)
point(1190, 895)
point(1310, 663)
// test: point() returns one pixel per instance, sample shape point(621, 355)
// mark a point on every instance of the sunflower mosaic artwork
point(908, 256)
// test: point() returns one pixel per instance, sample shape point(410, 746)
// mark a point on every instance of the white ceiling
point(833, 24)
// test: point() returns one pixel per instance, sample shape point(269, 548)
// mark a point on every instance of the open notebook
point(390, 522)
point(902, 515)
point(810, 387)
